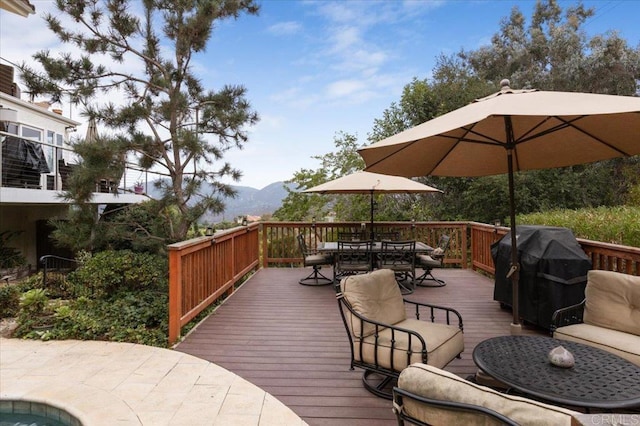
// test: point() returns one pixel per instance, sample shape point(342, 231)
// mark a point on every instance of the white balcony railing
point(36, 165)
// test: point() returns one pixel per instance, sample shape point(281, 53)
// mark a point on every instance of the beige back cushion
point(431, 382)
point(613, 301)
point(375, 296)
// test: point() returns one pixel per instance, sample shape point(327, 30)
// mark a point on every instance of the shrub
point(120, 296)
point(33, 302)
point(109, 272)
point(136, 317)
point(34, 312)
point(10, 257)
point(57, 285)
point(617, 225)
point(9, 301)
point(10, 295)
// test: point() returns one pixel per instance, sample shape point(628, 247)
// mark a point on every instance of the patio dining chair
point(428, 262)
point(352, 257)
point(399, 256)
point(316, 261)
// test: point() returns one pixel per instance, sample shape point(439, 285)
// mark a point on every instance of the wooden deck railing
point(204, 269)
point(604, 256)
point(280, 248)
point(612, 257)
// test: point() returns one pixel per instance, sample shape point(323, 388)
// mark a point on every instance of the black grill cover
point(553, 271)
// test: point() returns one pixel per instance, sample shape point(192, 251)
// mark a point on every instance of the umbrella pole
point(513, 274)
point(371, 231)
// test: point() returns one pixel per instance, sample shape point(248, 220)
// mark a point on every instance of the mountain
point(251, 201)
point(248, 201)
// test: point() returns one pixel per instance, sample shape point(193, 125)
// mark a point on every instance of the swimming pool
point(30, 413)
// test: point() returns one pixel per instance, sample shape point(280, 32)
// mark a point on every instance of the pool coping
point(106, 383)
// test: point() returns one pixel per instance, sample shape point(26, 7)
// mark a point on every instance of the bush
point(34, 311)
point(33, 302)
point(10, 257)
point(110, 272)
point(10, 295)
point(9, 300)
point(119, 296)
point(616, 225)
point(136, 317)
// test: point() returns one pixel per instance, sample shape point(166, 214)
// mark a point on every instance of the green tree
point(345, 160)
point(154, 118)
point(552, 53)
point(298, 206)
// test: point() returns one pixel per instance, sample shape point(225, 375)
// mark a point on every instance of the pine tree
point(149, 46)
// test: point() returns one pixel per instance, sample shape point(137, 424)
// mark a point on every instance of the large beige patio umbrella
point(371, 183)
point(509, 131)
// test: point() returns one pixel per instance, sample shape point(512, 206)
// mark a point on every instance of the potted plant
point(138, 188)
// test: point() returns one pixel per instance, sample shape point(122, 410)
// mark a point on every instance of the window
point(12, 128)
point(48, 149)
point(59, 144)
point(31, 133)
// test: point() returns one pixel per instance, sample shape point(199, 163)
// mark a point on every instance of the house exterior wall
point(23, 218)
point(21, 207)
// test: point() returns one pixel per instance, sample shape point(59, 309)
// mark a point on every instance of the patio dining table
point(332, 247)
point(376, 249)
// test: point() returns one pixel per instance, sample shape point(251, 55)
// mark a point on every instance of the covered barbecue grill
point(553, 271)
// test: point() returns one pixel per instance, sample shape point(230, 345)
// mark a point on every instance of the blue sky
point(314, 68)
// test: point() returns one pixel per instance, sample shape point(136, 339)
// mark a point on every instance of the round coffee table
point(599, 379)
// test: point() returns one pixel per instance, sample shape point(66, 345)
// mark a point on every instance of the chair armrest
point(381, 326)
point(398, 407)
point(437, 256)
point(433, 309)
point(566, 316)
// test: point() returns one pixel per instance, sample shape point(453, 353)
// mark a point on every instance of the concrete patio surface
point(107, 383)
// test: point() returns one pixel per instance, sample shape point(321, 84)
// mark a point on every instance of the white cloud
point(343, 38)
point(344, 88)
point(285, 28)
point(270, 121)
point(286, 95)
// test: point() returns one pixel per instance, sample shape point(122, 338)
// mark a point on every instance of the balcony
point(36, 173)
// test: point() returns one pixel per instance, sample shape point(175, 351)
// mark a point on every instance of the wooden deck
point(289, 340)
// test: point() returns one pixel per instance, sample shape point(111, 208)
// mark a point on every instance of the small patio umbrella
point(92, 131)
point(371, 183)
point(509, 131)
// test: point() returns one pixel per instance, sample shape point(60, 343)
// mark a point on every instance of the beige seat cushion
point(613, 301)
point(375, 296)
point(444, 343)
point(426, 260)
point(317, 259)
point(431, 382)
point(623, 344)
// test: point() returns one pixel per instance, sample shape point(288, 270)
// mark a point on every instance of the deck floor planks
point(289, 340)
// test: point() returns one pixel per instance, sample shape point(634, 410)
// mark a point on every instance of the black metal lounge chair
point(316, 261)
point(383, 340)
point(428, 262)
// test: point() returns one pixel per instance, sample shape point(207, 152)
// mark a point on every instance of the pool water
point(13, 419)
point(28, 413)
